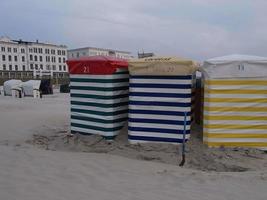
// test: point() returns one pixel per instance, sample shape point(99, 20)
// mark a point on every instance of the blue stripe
point(153, 85)
point(153, 94)
point(155, 139)
point(158, 130)
point(162, 77)
point(158, 112)
point(159, 121)
point(156, 103)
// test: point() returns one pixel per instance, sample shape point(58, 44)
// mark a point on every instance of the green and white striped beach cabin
point(99, 95)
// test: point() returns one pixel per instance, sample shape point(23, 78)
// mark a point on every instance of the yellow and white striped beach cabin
point(235, 101)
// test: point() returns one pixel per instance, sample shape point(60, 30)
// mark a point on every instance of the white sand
point(30, 173)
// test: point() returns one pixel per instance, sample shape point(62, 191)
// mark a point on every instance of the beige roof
point(162, 66)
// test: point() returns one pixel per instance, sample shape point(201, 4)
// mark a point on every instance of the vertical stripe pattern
point(156, 108)
point(99, 103)
point(235, 113)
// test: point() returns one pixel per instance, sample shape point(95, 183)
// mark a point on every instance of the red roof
point(96, 65)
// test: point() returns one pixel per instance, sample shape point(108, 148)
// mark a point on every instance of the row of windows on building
point(9, 57)
point(48, 51)
point(9, 49)
point(34, 50)
point(36, 67)
point(16, 68)
point(47, 59)
point(79, 54)
point(35, 58)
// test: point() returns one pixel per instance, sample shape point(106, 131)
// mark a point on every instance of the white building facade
point(23, 58)
point(93, 51)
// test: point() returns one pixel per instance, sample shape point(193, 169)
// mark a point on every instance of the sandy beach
point(38, 161)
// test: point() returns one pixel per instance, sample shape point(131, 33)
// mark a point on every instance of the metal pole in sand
point(183, 145)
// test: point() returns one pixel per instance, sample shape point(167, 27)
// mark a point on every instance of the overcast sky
point(197, 29)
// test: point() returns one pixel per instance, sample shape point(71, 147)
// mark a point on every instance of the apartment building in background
point(24, 59)
point(93, 51)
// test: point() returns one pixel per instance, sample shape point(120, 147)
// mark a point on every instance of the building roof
point(96, 48)
point(6, 39)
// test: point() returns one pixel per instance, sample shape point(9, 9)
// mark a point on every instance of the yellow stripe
point(236, 109)
point(236, 100)
point(236, 82)
point(234, 135)
point(235, 117)
point(235, 91)
point(234, 126)
point(236, 144)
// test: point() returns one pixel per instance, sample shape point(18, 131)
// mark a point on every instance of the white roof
point(236, 57)
point(5, 39)
point(29, 86)
point(33, 83)
point(235, 66)
point(12, 84)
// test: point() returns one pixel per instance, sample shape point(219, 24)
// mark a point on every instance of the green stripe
point(99, 88)
point(99, 112)
point(122, 72)
point(88, 80)
point(84, 133)
point(92, 96)
point(97, 128)
point(99, 105)
point(99, 120)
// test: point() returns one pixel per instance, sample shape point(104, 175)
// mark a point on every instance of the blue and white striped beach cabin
point(160, 97)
